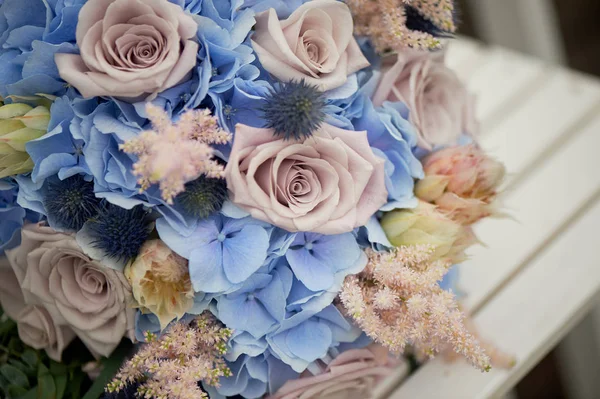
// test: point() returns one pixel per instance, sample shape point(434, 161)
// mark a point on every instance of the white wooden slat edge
point(547, 200)
point(531, 129)
point(499, 81)
point(464, 56)
point(540, 205)
point(471, 274)
point(529, 316)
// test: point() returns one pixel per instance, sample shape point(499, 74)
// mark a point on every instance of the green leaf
point(31, 394)
point(15, 391)
point(61, 385)
point(21, 366)
point(111, 366)
point(75, 385)
point(30, 357)
point(14, 375)
point(46, 387)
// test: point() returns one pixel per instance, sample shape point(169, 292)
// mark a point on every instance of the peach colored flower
point(314, 44)
point(130, 48)
point(353, 374)
point(462, 182)
point(329, 183)
point(76, 292)
point(440, 106)
point(160, 282)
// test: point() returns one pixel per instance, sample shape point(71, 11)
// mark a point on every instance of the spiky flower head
point(203, 196)
point(19, 124)
point(71, 202)
point(118, 232)
point(294, 110)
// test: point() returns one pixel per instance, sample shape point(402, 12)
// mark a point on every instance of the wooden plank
point(540, 206)
point(464, 56)
point(533, 130)
point(528, 317)
point(505, 79)
point(545, 204)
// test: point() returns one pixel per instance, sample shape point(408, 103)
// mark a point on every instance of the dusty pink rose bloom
point(314, 44)
point(441, 108)
point(36, 327)
point(60, 286)
point(353, 374)
point(330, 183)
point(130, 48)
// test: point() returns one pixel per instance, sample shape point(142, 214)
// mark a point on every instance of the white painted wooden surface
point(540, 273)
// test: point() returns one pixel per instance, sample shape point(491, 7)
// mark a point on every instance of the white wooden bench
point(540, 272)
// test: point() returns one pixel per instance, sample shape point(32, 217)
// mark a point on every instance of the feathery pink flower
point(397, 301)
point(173, 154)
point(384, 21)
point(170, 367)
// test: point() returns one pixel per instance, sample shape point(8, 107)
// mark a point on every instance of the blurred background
point(563, 32)
point(560, 31)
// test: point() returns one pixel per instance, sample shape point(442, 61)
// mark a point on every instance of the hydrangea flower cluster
point(264, 190)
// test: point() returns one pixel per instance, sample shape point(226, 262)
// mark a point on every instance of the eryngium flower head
point(294, 110)
point(119, 232)
point(19, 124)
point(462, 181)
point(71, 202)
point(203, 196)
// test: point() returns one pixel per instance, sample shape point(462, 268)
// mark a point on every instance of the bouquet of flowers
point(262, 198)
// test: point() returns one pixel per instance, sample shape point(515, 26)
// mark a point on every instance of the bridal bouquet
point(213, 198)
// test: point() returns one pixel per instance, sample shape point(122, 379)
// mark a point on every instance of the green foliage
point(26, 373)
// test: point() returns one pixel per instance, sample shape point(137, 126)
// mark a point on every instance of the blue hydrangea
point(31, 32)
point(319, 261)
point(225, 53)
point(299, 342)
point(223, 252)
point(259, 305)
point(12, 215)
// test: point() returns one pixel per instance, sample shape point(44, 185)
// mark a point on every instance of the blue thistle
point(71, 202)
point(294, 110)
point(120, 232)
point(203, 196)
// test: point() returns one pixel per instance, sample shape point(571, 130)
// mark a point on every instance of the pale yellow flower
point(19, 124)
point(160, 282)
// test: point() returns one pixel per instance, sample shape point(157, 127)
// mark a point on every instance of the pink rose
point(314, 44)
point(330, 183)
point(36, 327)
point(62, 287)
point(440, 106)
point(353, 374)
point(130, 48)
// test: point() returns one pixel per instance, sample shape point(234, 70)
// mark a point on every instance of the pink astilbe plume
point(173, 154)
point(397, 301)
point(170, 367)
point(384, 22)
